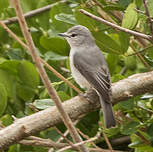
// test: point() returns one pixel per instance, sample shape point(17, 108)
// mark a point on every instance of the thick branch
point(138, 34)
point(137, 84)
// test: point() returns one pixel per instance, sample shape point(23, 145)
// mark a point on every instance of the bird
point(89, 68)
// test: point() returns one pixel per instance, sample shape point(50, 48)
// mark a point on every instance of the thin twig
point(148, 17)
point(107, 141)
point(141, 51)
point(141, 58)
point(83, 142)
point(51, 91)
point(139, 11)
point(36, 141)
point(64, 134)
point(120, 140)
point(87, 137)
point(148, 110)
point(98, 3)
point(60, 76)
point(60, 133)
point(143, 139)
point(123, 70)
point(147, 37)
point(32, 13)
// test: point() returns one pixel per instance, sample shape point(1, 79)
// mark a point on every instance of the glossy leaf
point(43, 103)
point(53, 56)
point(103, 41)
point(28, 74)
point(29, 80)
point(55, 44)
point(129, 128)
point(84, 20)
point(4, 4)
point(67, 18)
point(8, 81)
point(3, 98)
point(57, 9)
point(130, 17)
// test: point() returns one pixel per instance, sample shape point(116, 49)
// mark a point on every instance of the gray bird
point(89, 68)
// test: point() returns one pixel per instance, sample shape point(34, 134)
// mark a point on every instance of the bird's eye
point(73, 35)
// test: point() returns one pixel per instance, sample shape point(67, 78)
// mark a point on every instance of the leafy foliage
point(20, 84)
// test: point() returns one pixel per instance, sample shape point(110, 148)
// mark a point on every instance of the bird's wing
point(97, 75)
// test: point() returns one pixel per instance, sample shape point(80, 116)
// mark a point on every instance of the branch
point(51, 91)
point(32, 13)
point(120, 140)
point(138, 34)
point(141, 58)
point(134, 85)
point(36, 141)
point(141, 51)
point(148, 16)
point(83, 142)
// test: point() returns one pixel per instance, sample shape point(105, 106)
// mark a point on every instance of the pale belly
point(83, 83)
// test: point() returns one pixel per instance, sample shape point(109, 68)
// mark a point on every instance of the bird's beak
point(64, 35)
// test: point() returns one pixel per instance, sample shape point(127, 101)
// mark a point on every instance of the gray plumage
point(90, 69)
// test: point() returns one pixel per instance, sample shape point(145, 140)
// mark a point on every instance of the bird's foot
point(85, 96)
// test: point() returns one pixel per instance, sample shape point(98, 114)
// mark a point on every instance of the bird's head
point(78, 36)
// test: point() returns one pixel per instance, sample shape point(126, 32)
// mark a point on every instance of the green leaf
point(28, 74)
point(113, 7)
point(43, 103)
point(53, 56)
point(29, 80)
point(112, 60)
point(8, 81)
point(84, 20)
point(28, 5)
point(103, 41)
point(128, 104)
point(63, 96)
point(150, 52)
point(4, 4)
point(150, 130)
point(130, 17)
point(150, 7)
point(3, 98)
point(67, 18)
point(14, 54)
point(25, 92)
point(43, 20)
point(10, 66)
point(6, 120)
point(130, 62)
point(124, 3)
point(117, 77)
point(89, 123)
point(57, 9)
point(112, 131)
point(147, 96)
point(129, 128)
point(55, 44)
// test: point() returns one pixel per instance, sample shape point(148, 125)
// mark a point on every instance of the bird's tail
point(108, 114)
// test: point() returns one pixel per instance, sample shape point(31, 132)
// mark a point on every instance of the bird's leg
point(86, 95)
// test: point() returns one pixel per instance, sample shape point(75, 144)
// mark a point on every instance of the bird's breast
point(78, 77)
